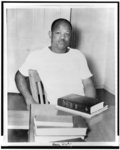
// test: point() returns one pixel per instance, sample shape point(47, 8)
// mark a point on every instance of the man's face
point(60, 37)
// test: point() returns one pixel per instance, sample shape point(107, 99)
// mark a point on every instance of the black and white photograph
point(60, 74)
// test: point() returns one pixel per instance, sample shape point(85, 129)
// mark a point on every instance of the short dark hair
point(59, 21)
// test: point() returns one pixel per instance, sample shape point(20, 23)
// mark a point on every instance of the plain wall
point(111, 68)
point(94, 29)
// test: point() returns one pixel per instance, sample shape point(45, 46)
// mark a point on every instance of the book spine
point(74, 106)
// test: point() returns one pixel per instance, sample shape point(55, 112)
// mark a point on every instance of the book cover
point(53, 121)
point(80, 103)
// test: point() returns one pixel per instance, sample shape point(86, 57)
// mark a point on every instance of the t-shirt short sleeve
point(27, 65)
point(85, 71)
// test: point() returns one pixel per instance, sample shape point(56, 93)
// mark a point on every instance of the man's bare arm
point(89, 88)
point(22, 86)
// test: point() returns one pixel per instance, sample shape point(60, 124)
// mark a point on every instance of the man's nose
point(62, 36)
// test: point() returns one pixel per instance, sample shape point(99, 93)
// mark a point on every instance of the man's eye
point(57, 32)
point(67, 34)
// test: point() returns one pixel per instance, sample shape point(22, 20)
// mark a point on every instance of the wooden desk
point(18, 125)
point(102, 126)
point(18, 119)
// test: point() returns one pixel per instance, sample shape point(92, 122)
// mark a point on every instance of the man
point(63, 70)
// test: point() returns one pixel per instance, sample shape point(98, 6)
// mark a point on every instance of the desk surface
point(101, 127)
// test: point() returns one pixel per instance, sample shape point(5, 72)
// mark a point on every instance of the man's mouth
point(62, 41)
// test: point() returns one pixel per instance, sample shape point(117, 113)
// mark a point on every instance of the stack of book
point(81, 105)
point(57, 128)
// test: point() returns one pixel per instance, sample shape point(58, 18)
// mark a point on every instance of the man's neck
point(59, 51)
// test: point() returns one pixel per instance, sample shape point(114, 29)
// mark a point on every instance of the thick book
point(46, 139)
point(80, 103)
point(60, 131)
point(79, 127)
point(80, 113)
point(53, 121)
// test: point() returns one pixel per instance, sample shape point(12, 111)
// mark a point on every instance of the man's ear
point(50, 34)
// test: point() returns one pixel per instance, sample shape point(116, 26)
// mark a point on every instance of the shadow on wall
point(93, 70)
point(76, 38)
point(76, 42)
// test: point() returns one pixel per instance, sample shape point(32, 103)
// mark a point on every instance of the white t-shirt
point(61, 73)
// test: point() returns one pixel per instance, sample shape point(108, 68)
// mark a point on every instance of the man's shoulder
point(39, 51)
point(76, 52)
